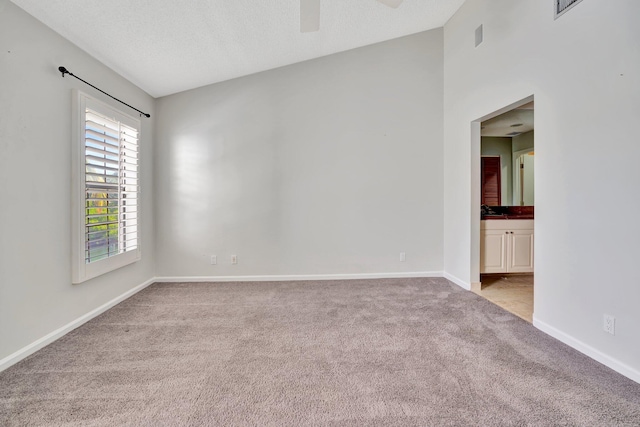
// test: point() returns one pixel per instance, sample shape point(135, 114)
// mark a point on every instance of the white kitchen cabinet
point(493, 251)
point(506, 246)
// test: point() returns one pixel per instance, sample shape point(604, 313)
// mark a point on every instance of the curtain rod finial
point(63, 70)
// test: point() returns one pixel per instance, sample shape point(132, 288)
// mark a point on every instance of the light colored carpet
point(371, 352)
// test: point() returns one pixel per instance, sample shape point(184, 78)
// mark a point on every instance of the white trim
point(475, 196)
point(28, 350)
point(586, 349)
point(80, 270)
point(293, 277)
point(457, 281)
point(24, 352)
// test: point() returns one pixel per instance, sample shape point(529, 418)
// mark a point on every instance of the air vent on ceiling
point(514, 134)
point(564, 5)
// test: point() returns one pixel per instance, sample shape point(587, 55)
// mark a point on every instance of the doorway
point(503, 227)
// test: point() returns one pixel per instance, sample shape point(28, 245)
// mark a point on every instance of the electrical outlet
point(403, 257)
point(234, 259)
point(214, 260)
point(609, 324)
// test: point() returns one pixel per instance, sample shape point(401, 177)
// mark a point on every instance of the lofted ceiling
point(168, 46)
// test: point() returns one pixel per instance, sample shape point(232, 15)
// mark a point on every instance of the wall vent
point(562, 6)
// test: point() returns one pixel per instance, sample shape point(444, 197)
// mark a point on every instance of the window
point(105, 177)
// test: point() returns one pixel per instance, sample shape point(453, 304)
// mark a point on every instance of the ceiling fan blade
point(391, 3)
point(309, 16)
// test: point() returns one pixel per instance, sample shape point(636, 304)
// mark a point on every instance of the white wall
point(331, 166)
point(584, 71)
point(36, 294)
point(337, 164)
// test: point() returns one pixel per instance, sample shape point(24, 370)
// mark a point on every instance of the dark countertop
point(504, 216)
point(508, 212)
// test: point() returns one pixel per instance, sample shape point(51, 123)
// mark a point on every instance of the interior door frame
point(476, 187)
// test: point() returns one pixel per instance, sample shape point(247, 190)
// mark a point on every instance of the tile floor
point(513, 292)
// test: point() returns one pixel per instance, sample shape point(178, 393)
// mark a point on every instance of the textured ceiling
point(168, 46)
point(508, 122)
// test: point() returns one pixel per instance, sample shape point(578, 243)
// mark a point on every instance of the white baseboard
point(292, 277)
point(24, 352)
point(593, 353)
point(457, 281)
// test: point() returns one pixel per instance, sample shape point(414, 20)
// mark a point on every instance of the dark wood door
point(491, 185)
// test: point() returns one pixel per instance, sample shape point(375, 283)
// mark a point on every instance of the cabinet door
point(493, 251)
point(521, 251)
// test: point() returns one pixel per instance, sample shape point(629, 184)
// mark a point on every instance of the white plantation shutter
point(107, 215)
point(111, 185)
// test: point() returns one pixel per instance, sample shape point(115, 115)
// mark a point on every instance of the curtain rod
point(64, 71)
